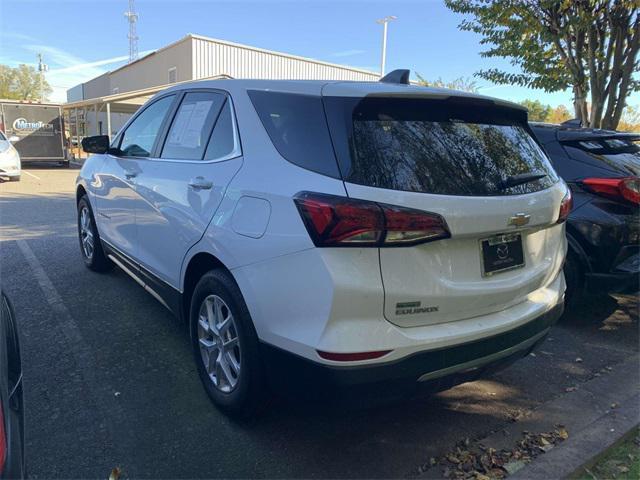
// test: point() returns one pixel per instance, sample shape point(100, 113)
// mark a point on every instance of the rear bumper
point(432, 369)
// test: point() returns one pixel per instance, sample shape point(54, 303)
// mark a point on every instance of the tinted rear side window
point(297, 127)
point(435, 146)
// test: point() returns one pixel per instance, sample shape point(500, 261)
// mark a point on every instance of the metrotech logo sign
point(22, 125)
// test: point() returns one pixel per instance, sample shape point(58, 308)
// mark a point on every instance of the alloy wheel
point(219, 343)
point(86, 233)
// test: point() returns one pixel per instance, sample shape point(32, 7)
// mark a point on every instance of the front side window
point(190, 129)
point(140, 136)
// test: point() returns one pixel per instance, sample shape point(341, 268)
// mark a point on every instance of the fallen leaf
point(115, 473)
point(570, 389)
point(563, 434)
point(578, 360)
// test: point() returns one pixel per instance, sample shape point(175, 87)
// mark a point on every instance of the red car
point(12, 463)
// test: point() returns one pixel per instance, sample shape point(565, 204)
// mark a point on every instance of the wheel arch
point(196, 267)
point(574, 245)
point(80, 192)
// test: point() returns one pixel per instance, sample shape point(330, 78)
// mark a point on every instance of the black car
point(602, 168)
point(11, 403)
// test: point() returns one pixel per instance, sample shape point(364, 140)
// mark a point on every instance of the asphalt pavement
point(110, 381)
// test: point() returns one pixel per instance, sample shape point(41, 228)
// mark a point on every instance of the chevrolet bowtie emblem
point(519, 219)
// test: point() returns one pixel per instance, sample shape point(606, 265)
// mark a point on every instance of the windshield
point(430, 147)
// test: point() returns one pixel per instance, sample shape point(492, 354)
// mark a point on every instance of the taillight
point(334, 221)
point(3, 441)
point(565, 207)
point(615, 188)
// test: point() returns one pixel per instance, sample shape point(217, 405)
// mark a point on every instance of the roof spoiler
point(574, 122)
point(397, 76)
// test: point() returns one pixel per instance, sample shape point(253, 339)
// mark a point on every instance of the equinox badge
point(519, 219)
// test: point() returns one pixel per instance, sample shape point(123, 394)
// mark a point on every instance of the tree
point(464, 84)
point(538, 112)
point(630, 121)
point(22, 83)
point(590, 46)
point(559, 114)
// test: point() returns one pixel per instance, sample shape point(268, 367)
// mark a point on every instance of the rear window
point(435, 146)
point(620, 153)
point(297, 127)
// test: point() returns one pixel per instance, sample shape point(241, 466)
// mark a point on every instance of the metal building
point(102, 105)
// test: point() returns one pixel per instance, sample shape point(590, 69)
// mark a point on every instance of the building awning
point(127, 102)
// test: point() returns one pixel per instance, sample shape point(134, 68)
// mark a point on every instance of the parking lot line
point(31, 175)
point(77, 344)
point(50, 293)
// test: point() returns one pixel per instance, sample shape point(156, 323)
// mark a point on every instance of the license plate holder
point(501, 253)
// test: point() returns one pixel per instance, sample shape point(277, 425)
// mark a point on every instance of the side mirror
point(96, 144)
point(14, 139)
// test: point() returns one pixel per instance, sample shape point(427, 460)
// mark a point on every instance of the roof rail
point(397, 76)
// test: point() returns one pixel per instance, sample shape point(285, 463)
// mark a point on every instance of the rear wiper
point(519, 179)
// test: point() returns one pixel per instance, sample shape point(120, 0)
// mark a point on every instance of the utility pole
point(132, 18)
point(42, 67)
point(384, 22)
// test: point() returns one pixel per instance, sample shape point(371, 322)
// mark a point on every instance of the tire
point(14, 179)
point(93, 258)
point(574, 277)
point(240, 392)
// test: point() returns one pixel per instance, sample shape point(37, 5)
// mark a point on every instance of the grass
point(620, 462)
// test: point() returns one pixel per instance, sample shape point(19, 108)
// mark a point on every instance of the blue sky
point(82, 39)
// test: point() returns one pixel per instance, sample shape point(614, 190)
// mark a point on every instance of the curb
point(596, 414)
point(580, 450)
point(589, 416)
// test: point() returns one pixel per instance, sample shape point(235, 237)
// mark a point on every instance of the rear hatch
point(473, 162)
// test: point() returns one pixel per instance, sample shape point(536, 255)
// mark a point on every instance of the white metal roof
point(244, 47)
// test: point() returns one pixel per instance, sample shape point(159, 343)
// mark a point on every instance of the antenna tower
point(132, 18)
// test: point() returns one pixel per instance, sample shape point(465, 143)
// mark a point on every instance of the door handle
point(130, 173)
point(199, 183)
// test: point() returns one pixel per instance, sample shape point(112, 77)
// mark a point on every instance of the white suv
point(318, 233)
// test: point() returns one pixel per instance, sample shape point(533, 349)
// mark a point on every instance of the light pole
point(384, 21)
